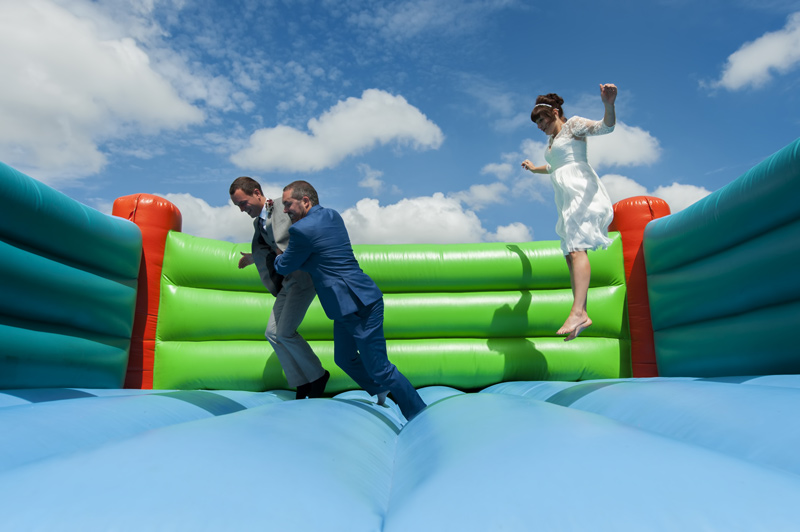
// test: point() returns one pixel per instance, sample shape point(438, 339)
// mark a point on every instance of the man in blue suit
point(319, 244)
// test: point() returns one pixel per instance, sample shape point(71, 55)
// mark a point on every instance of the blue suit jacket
point(319, 244)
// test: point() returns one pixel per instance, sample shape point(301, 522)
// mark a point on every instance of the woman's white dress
point(584, 208)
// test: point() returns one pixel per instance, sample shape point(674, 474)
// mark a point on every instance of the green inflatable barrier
point(466, 315)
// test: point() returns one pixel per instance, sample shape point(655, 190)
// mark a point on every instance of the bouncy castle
point(137, 390)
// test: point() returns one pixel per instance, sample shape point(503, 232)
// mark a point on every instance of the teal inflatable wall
point(68, 279)
point(722, 276)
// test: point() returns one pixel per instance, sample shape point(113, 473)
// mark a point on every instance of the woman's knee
point(577, 255)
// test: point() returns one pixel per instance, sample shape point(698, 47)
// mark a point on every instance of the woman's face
point(542, 123)
point(546, 125)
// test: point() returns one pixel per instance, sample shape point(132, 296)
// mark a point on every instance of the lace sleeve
point(583, 127)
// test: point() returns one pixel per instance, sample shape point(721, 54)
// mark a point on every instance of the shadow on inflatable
point(137, 390)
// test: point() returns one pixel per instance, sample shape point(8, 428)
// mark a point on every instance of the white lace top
point(584, 208)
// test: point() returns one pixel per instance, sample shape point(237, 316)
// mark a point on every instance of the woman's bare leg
point(580, 273)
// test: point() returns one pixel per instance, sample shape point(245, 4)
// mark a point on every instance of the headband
point(543, 105)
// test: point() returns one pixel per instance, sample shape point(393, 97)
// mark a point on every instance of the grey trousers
point(299, 362)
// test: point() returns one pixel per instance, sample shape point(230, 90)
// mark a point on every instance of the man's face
point(252, 204)
point(295, 208)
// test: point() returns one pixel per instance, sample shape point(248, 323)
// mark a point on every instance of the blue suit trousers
point(360, 350)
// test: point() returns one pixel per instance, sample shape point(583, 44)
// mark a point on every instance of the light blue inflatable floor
point(643, 454)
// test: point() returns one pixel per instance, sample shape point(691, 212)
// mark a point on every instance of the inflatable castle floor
point(137, 390)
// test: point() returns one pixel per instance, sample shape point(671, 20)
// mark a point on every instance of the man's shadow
point(522, 360)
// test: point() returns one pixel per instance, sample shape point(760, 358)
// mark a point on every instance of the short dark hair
point(302, 188)
point(248, 185)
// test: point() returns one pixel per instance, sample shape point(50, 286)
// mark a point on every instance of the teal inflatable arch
point(722, 276)
point(522, 431)
point(68, 279)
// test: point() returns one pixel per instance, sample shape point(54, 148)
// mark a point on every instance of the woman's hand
point(608, 93)
point(527, 165)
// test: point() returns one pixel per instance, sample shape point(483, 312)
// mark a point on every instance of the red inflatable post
point(155, 217)
point(630, 218)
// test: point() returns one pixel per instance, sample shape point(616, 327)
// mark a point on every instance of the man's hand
point(246, 260)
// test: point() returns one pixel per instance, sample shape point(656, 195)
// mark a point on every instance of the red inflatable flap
point(630, 218)
point(155, 217)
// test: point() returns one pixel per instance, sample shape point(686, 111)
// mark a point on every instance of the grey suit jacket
point(275, 237)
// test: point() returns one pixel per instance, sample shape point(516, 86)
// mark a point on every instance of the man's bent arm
point(295, 255)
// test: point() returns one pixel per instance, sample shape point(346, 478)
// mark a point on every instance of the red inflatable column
point(155, 217)
point(630, 217)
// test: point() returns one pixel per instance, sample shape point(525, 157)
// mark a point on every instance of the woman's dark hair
point(553, 100)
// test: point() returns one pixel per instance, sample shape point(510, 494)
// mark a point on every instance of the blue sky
point(410, 117)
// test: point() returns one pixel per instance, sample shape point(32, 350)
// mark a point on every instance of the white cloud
point(433, 220)
point(218, 92)
point(501, 106)
point(182, 68)
point(530, 149)
point(480, 196)
point(625, 146)
point(516, 182)
point(678, 196)
point(754, 63)
point(436, 219)
point(534, 187)
point(499, 170)
point(402, 21)
point(514, 232)
point(350, 127)
point(372, 178)
point(490, 94)
point(512, 123)
point(621, 187)
point(68, 86)
point(219, 223)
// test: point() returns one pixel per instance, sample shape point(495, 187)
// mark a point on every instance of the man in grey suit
point(293, 293)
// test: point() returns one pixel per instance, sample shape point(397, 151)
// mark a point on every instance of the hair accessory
point(542, 105)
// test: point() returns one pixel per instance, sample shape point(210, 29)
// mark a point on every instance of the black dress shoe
point(302, 391)
point(317, 387)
